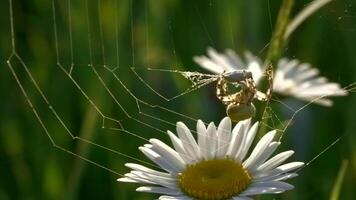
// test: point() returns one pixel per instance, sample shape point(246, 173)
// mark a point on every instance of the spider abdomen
point(239, 112)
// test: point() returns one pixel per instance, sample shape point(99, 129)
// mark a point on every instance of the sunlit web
point(127, 98)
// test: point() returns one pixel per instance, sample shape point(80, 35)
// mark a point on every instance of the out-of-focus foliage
point(164, 35)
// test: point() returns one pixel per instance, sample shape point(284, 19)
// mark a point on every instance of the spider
point(239, 104)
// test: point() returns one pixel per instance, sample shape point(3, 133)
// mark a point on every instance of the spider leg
point(262, 96)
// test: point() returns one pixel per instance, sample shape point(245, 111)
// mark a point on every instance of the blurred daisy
point(291, 78)
point(216, 166)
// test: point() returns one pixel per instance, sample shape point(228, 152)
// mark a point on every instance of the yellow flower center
point(215, 179)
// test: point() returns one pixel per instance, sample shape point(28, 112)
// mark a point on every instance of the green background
point(163, 35)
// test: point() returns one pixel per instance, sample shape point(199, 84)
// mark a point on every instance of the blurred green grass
point(166, 35)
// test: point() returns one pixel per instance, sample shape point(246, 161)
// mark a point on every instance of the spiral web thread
point(197, 80)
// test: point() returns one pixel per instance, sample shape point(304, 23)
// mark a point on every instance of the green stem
point(274, 51)
point(335, 192)
point(277, 42)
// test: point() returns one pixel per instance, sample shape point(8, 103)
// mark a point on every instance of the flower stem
point(335, 193)
point(277, 40)
point(274, 51)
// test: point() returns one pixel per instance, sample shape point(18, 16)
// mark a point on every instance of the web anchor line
point(197, 80)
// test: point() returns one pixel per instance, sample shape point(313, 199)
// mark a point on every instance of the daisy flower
point(217, 166)
point(291, 78)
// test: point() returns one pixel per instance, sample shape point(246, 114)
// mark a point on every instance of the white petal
point(220, 60)
point(159, 160)
point(275, 161)
point(307, 74)
point(212, 141)
point(286, 168)
point(190, 145)
point(158, 190)
point(303, 82)
point(235, 60)
point(137, 179)
point(223, 134)
point(274, 184)
point(157, 180)
point(168, 153)
point(242, 198)
point(267, 188)
point(246, 142)
point(127, 180)
point(178, 146)
point(238, 134)
point(236, 139)
point(262, 156)
point(154, 178)
point(181, 197)
point(279, 177)
point(202, 137)
point(206, 63)
point(260, 190)
point(260, 148)
point(219, 63)
point(255, 66)
point(147, 170)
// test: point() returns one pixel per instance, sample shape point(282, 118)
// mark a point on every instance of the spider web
point(118, 84)
point(16, 61)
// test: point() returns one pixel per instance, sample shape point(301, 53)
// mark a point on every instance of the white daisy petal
point(289, 167)
point(260, 148)
point(242, 198)
point(158, 190)
point(166, 182)
point(207, 64)
point(223, 134)
point(321, 90)
point(182, 197)
point(267, 188)
point(238, 137)
point(307, 74)
point(255, 66)
point(275, 161)
point(189, 143)
point(246, 142)
point(303, 82)
point(219, 59)
point(178, 146)
point(262, 156)
point(201, 130)
point(147, 170)
point(220, 63)
point(260, 190)
point(136, 178)
point(274, 184)
point(234, 59)
point(214, 154)
point(128, 180)
point(212, 141)
point(280, 170)
point(159, 160)
point(168, 153)
point(236, 140)
point(279, 177)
